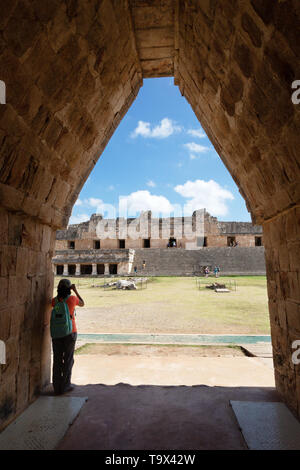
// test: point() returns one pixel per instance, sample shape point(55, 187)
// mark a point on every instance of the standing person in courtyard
point(206, 271)
point(64, 346)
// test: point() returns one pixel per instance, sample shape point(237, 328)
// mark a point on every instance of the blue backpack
point(60, 323)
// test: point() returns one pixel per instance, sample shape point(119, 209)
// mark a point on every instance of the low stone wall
point(179, 262)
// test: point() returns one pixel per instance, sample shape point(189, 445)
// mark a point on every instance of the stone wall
point(167, 261)
point(235, 62)
point(283, 271)
point(71, 72)
point(26, 284)
point(158, 230)
point(178, 262)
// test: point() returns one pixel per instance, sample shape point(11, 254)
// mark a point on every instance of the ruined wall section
point(26, 285)
point(71, 72)
point(283, 271)
point(158, 229)
point(235, 63)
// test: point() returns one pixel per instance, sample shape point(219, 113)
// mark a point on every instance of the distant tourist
point(64, 334)
point(216, 271)
point(206, 271)
point(135, 270)
point(144, 264)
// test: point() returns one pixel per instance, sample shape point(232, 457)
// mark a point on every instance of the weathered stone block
point(293, 316)
point(243, 57)
point(21, 38)
point(5, 318)
point(8, 257)
point(7, 401)
point(22, 380)
point(3, 228)
point(264, 9)
point(253, 31)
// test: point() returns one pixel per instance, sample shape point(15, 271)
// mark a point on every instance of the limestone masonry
point(159, 246)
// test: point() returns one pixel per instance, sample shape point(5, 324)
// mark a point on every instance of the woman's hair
point(63, 291)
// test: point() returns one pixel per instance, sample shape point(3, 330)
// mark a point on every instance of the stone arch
point(71, 71)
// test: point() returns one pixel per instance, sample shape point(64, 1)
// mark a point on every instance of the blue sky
point(160, 159)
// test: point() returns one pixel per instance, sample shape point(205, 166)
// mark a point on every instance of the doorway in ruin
point(59, 270)
point(72, 269)
point(100, 269)
point(168, 315)
point(86, 269)
point(113, 269)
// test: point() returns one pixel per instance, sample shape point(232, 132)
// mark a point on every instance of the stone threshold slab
point(42, 425)
point(267, 425)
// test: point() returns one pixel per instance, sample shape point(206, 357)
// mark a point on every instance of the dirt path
point(151, 350)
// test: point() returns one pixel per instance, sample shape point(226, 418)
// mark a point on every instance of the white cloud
point(142, 201)
point(197, 133)
point(205, 194)
point(111, 187)
point(166, 128)
point(94, 202)
point(78, 202)
point(151, 184)
point(142, 129)
point(78, 219)
point(196, 149)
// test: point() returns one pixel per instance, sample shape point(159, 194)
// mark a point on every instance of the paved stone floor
point(164, 403)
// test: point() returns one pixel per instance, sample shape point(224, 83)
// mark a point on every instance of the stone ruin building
point(155, 246)
point(72, 69)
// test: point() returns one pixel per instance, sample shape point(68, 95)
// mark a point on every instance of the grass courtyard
point(174, 305)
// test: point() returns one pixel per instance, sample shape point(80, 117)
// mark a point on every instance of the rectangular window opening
point(147, 243)
point(258, 241)
point(231, 241)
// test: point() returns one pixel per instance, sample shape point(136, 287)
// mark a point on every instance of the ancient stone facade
point(95, 247)
point(72, 68)
point(150, 232)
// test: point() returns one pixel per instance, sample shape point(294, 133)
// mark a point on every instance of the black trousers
point(63, 360)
